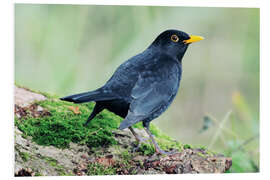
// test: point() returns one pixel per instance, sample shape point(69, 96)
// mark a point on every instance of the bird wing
point(152, 94)
point(124, 78)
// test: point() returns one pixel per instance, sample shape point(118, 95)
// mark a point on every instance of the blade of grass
point(219, 130)
point(224, 128)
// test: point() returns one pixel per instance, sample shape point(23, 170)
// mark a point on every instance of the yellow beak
point(193, 39)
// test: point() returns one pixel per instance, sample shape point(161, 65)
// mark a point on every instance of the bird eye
point(174, 38)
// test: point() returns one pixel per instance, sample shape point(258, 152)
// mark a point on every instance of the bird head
point(174, 42)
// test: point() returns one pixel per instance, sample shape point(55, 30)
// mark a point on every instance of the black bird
point(144, 86)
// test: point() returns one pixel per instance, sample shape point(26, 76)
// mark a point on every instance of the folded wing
point(152, 94)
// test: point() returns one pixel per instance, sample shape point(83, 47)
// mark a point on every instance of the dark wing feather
point(153, 93)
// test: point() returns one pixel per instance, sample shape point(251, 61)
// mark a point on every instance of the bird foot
point(140, 142)
point(135, 149)
point(162, 152)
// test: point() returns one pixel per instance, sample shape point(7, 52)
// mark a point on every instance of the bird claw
point(135, 149)
point(143, 140)
point(140, 142)
point(160, 151)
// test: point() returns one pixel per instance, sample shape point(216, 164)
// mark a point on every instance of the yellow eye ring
point(174, 38)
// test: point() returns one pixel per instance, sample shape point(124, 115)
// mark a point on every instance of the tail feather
point(88, 96)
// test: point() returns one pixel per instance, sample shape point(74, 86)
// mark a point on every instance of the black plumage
point(144, 86)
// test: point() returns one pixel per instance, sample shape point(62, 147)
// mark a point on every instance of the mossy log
point(50, 140)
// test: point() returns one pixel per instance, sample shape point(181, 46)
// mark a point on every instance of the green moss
point(99, 169)
point(147, 149)
point(54, 163)
point(211, 153)
point(25, 156)
point(187, 146)
point(123, 164)
point(203, 147)
point(38, 174)
point(63, 126)
point(51, 161)
point(126, 157)
point(201, 154)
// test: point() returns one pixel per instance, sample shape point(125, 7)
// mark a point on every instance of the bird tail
point(88, 96)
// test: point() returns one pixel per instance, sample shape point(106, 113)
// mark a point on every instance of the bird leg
point(139, 139)
point(157, 148)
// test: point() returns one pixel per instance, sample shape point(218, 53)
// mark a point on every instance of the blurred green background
point(67, 49)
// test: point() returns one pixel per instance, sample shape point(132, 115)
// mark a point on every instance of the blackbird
point(144, 86)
